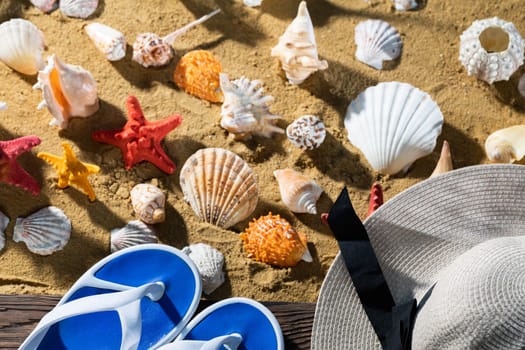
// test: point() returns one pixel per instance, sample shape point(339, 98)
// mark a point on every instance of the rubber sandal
point(137, 298)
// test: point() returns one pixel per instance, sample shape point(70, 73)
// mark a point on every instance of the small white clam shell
point(405, 5)
point(22, 46)
point(506, 145)
point(134, 233)
point(148, 203)
point(377, 41)
point(209, 262)
point(404, 129)
point(4, 221)
point(491, 49)
point(3, 106)
point(44, 232)
point(306, 132)
point(78, 8)
point(107, 40)
point(45, 5)
point(298, 192)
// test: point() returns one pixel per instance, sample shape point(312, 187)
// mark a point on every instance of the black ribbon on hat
point(392, 322)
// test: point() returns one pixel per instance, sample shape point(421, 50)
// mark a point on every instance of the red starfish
point(139, 139)
point(10, 171)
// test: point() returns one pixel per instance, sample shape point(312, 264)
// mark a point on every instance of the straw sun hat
point(457, 242)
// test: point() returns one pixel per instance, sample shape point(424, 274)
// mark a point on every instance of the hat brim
point(415, 235)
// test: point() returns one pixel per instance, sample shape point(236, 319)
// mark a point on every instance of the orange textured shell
point(197, 73)
point(272, 240)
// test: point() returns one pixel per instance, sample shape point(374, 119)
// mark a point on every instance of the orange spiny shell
point(197, 73)
point(272, 240)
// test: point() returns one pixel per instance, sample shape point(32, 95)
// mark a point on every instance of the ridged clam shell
point(405, 5)
point(4, 221)
point(107, 40)
point(272, 240)
point(209, 262)
point(148, 203)
point(402, 129)
point(307, 132)
point(45, 5)
point(134, 233)
point(44, 232)
point(78, 8)
point(298, 192)
point(220, 186)
point(491, 49)
point(22, 46)
point(150, 50)
point(377, 41)
point(506, 145)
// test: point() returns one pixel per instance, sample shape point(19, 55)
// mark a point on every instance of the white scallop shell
point(4, 221)
point(22, 46)
point(404, 5)
point(491, 49)
point(306, 132)
point(297, 49)
point(107, 40)
point(3, 106)
point(75, 85)
point(377, 41)
point(78, 8)
point(298, 192)
point(506, 145)
point(402, 129)
point(209, 262)
point(45, 5)
point(44, 232)
point(135, 232)
point(148, 203)
point(245, 110)
point(220, 186)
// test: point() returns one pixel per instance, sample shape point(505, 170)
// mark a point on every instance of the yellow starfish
point(71, 171)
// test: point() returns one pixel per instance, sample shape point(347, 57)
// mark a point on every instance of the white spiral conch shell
point(45, 5)
point(134, 233)
point(506, 145)
point(4, 221)
point(297, 49)
point(298, 192)
point(148, 202)
point(78, 8)
point(68, 91)
point(44, 232)
point(107, 40)
point(405, 5)
point(404, 129)
point(220, 186)
point(209, 262)
point(307, 132)
point(22, 46)
point(491, 49)
point(377, 41)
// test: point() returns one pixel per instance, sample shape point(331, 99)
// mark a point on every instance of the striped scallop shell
point(4, 221)
point(78, 8)
point(506, 145)
point(298, 192)
point(44, 232)
point(134, 233)
point(307, 132)
point(220, 186)
point(22, 46)
point(377, 41)
point(209, 262)
point(148, 203)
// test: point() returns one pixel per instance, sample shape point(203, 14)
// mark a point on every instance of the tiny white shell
point(78, 8)
point(252, 3)
point(377, 41)
point(134, 233)
point(209, 262)
point(22, 46)
point(107, 40)
point(404, 5)
point(506, 145)
point(45, 5)
point(3, 106)
point(148, 202)
point(491, 49)
point(306, 132)
point(4, 221)
point(44, 232)
point(298, 192)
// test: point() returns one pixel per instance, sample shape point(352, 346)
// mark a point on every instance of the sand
point(241, 37)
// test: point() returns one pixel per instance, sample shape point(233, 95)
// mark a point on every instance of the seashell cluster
point(220, 186)
point(22, 46)
point(491, 49)
point(245, 110)
point(404, 129)
point(4, 221)
point(405, 5)
point(107, 40)
point(298, 192)
point(297, 49)
point(135, 232)
point(271, 239)
point(45, 5)
point(68, 91)
point(377, 41)
point(148, 203)
point(307, 132)
point(506, 145)
point(44, 232)
point(444, 163)
point(78, 8)
point(209, 262)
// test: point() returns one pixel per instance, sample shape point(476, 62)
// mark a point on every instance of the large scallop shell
point(22, 46)
point(148, 202)
point(78, 8)
point(298, 192)
point(135, 232)
point(219, 186)
point(377, 41)
point(45, 5)
point(4, 221)
point(107, 40)
point(306, 132)
point(209, 262)
point(506, 145)
point(393, 124)
point(272, 240)
point(44, 232)
point(491, 49)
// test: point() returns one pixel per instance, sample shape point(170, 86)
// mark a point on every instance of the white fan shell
point(377, 41)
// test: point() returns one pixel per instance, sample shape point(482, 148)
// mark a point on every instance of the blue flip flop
point(137, 298)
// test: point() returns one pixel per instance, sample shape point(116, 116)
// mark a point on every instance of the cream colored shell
point(22, 46)
point(506, 145)
point(148, 203)
point(107, 40)
point(78, 8)
point(209, 262)
point(298, 192)
point(45, 5)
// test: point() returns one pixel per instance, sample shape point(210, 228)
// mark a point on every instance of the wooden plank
point(19, 314)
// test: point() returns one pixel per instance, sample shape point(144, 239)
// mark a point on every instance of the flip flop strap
point(228, 342)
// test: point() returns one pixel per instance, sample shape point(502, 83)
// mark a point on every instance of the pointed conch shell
point(209, 262)
point(44, 232)
point(68, 90)
point(148, 202)
point(22, 46)
point(107, 40)
point(377, 41)
point(444, 163)
point(219, 186)
point(45, 5)
point(272, 240)
point(78, 8)
point(307, 132)
point(134, 233)
point(506, 145)
point(298, 192)
point(404, 5)
point(297, 49)
point(4, 221)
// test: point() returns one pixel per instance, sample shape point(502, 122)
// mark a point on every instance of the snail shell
point(298, 192)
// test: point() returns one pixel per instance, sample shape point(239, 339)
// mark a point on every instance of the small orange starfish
point(71, 171)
